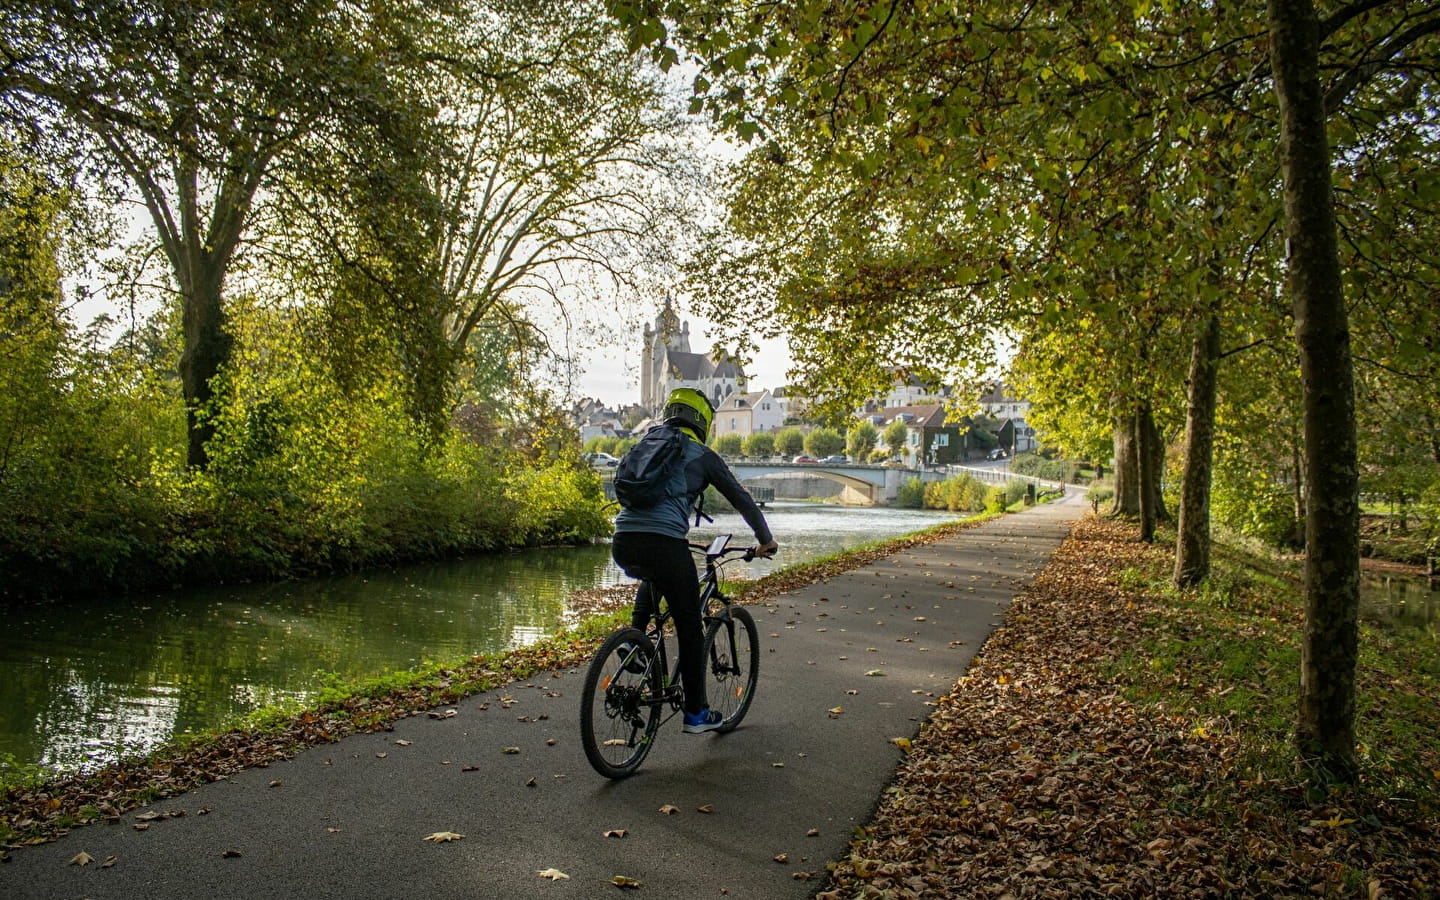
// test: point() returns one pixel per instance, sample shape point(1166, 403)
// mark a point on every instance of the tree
point(944, 169)
point(895, 435)
point(760, 444)
point(729, 444)
point(860, 441)
point(824, 442)
point(199, 106)
point(1326, 729)
point(789, 442)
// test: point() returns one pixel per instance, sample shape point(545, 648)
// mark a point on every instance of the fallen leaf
point(81, 859)
point(381, 755)
point(531, 782)
point(109, 861)
point(553, 874)
point(231, 854)
point(783, 858)
point(837, 712)
point(902, 743)
point(707, 808)
point(874, 673)
point(615, 833)
point(814, 832)
point(149, 816)
point(447, 714)
point(621, 881)
point(511, 751)
point(403, 743)
point(441, 837)
point(669, 810)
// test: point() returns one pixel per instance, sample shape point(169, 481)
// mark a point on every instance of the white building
point(747, 414)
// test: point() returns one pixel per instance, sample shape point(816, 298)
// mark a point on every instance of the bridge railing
point(1002, 476)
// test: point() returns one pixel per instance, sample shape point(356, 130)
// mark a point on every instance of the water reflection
point(1403, 601)
point(88, 681)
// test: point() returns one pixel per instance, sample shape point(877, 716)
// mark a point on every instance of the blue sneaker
point(705, 720)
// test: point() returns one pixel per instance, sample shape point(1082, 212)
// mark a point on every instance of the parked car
point(803, 460)
point(997, 453)
point(835, 459)
point(601, 460)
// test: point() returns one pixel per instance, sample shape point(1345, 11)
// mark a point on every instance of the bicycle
point(631, 681)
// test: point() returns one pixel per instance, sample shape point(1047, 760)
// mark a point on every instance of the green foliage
point(1015, 490)
point(760, 444)
point(997, 500)
point(861, 440)
point(911, 494)
point(823, 442)
point(895, 436)
point(790, 442)
point(728, 444)
point(958, 493)
point(1063, 470)
point(303, 478)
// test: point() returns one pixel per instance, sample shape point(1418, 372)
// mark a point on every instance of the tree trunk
point(1127, 468)
point(1325, 735)
point(1192, 547)
point(1145, 440)
point(207, 348)
point(1155, 466)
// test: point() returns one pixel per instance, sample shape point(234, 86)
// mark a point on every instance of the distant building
point(929, 439)
point(1009, 411)
point(667, 363)
point(747, 414)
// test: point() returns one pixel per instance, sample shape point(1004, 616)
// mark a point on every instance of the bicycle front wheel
point(618, 713)
point(732, 663)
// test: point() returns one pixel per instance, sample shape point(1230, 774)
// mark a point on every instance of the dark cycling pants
point(666, 564)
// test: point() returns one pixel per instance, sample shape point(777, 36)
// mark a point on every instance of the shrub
point(912, 494)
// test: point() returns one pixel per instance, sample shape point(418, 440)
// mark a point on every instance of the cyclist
point(652, 545)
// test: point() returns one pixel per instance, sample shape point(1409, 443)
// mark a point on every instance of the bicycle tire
point(732, 664)
point(618, 720)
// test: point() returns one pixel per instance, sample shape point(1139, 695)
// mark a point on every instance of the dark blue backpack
point(653, 469)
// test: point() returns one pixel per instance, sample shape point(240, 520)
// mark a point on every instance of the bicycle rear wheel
point(618, 717)
point(732, 663)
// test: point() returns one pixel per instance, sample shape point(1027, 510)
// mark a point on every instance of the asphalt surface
point(760, 810)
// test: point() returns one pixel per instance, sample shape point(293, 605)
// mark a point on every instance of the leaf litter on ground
point(1036, 778)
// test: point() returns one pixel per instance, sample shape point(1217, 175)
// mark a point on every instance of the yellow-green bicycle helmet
point(688, 408)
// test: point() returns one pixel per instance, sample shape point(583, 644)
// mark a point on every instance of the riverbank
point(43, 807)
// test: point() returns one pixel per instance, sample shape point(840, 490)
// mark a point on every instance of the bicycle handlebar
point(749, 552)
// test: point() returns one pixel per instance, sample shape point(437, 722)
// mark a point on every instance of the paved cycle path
point(760, 810)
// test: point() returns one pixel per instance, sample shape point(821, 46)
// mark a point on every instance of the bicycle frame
point(668, 688)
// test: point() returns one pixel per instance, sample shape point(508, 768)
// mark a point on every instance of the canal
point(87, 682)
